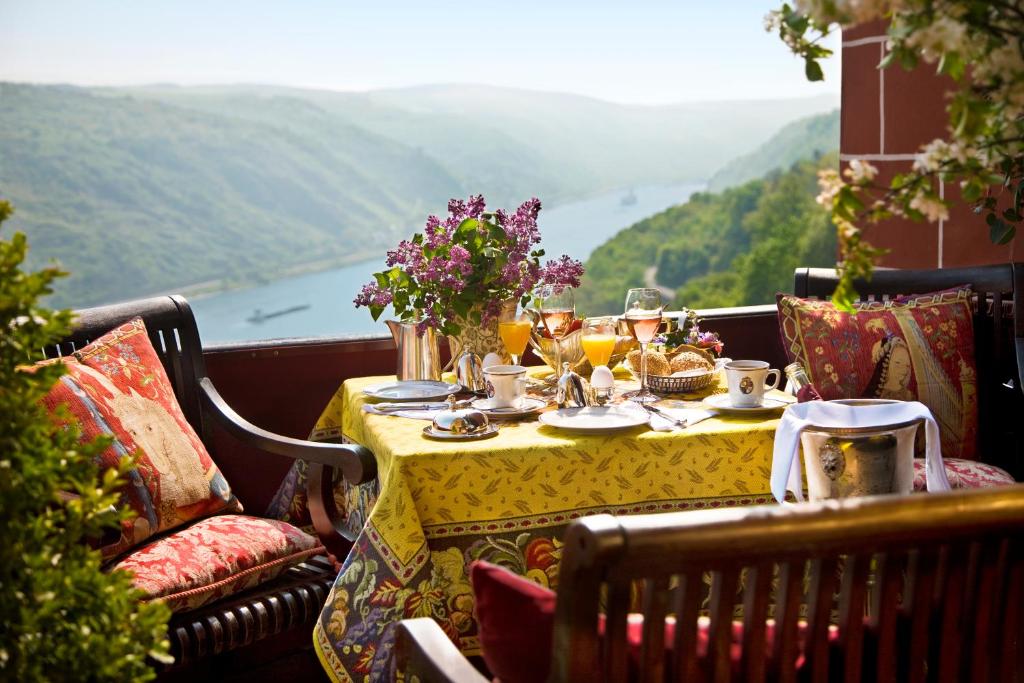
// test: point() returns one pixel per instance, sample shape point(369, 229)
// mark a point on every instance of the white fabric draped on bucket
point(787, 468)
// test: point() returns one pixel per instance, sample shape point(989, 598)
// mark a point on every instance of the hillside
point(153, 189)
point(806, 138)
point(735, 248)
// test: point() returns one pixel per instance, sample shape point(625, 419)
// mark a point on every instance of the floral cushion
point(915, 348)
point(117, 386)
point(216, 557)
point(965, 474)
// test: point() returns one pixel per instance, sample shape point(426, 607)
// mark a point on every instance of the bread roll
point(657, 363)
point(688, 360)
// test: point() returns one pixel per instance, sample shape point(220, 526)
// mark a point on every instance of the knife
point(664, 415)
point(394, 407)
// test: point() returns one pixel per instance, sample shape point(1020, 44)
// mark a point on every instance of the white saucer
point(595, 418)
point(723, 404)
point(528, 405)
point(485, 433)
point(412, 390)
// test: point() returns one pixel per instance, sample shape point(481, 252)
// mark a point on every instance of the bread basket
point(684, 384)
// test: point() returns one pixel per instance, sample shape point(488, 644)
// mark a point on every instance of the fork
point(664, 415)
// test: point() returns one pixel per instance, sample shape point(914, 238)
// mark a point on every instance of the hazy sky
point(637, 51)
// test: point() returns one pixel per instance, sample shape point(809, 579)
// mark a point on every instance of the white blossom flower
point(830, 184)
point(860, 172)
point(933, 208)
point(943, 35)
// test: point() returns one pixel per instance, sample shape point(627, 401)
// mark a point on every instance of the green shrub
point(61, 617)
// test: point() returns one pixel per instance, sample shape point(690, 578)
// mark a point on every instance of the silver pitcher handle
point(455, 347)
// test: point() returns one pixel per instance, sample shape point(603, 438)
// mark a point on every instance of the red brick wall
point(886, 116)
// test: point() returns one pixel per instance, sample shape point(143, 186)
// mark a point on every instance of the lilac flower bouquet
point(463, 269)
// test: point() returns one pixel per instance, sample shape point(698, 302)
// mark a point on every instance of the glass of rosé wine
point(643, 316)
point(557, 311)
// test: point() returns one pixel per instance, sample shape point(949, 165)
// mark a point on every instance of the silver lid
point(571, 392)
point(460, 420)
point(469, 372)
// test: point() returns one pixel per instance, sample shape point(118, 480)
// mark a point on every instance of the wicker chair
point(941, 576)
point(287, 607)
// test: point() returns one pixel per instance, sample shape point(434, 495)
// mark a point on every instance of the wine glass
point(515, 334)
point(598, 340)
point(557, 310)
point(643, 316)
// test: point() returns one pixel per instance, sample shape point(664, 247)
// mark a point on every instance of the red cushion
point(117, 386)
point(516, 619)
point(965, 474)
point(516, 622)
point(216, 557)
point(919, 347)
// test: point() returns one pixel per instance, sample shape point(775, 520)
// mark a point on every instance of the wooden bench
point(222, 638)
point(947, 602)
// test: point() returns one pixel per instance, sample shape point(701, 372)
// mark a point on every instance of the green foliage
point(983, 152)
point(736, 248)
point(61, 617)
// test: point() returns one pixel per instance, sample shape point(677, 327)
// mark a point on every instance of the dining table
point(438, 506)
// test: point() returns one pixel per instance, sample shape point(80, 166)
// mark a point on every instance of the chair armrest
point(423, 649)
point(356, 463)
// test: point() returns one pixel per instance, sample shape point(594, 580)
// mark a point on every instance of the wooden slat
point(787, 614)
point(686, 605)
point(917, 608)
point(853, 596)
point(652, 652)
point(615, 651)
point(885, 609)
point(950, 608)
point(1010, 649)
point(723, 600)
point(756, 594)
point(820, 598)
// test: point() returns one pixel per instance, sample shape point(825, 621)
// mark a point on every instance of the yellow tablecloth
point(506, 499)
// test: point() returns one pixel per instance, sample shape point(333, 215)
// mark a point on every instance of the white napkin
point(691, 415)
point(412, 414)
point(786, 467)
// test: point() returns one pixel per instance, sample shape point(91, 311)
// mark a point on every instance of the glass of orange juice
point(598, 340)
point(514, 335)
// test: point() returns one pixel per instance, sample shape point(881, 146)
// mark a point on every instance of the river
point(575, 228)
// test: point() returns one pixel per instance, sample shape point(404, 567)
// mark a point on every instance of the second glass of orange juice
point(598, 340)
point(514, 335)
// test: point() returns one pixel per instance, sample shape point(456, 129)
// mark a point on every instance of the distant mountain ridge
point(804, 139)
point(139, 190)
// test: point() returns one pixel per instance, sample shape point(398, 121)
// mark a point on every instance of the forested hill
point(153, 189)
point(804, 139)
point(735, 248)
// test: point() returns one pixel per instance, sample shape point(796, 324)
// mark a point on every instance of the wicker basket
point(662, 384)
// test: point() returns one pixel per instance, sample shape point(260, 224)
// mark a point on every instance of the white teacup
point(506, 385)
point(747, 381)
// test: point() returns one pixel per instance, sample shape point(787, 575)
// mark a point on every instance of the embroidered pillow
point(117, 386)
point(913, 348)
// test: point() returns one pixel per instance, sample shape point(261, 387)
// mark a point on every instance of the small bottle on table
point(801, 384)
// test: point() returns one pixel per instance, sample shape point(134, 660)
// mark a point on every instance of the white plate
point(412, 390)
point(723, 404)
point(595, 418)
point(527, 406)
point(485, 433)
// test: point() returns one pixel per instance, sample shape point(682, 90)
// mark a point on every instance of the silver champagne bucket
point(859, 461)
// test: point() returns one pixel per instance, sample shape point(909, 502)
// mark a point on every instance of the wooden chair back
point(941, 575)
point(172, 330)
point(998, 341)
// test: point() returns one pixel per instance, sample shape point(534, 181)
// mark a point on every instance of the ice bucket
point(859, 461)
